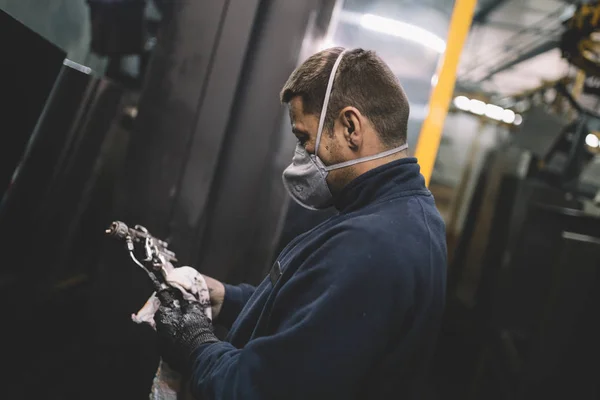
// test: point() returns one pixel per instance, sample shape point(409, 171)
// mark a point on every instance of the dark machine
point(524, 281)
point(580, 43)
point(525, 276)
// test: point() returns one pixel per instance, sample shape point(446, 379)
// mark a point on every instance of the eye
point(301, 135)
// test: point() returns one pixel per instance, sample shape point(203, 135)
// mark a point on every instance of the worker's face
point(333, 148)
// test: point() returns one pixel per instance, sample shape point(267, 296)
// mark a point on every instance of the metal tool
point(156, 256)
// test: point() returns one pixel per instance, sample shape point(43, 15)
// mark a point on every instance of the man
point(351, 309)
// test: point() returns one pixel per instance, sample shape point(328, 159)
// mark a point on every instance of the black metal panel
point(41, 217)
point(70, 194)
point(21, 207)
point(175, 86)
point(52, 263)
point(209, 131)
point(563, 361)
point(248, 198)
point(29, 66)
point(523, 295)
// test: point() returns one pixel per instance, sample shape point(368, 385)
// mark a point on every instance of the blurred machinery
point(580, 42)
point(524, 277)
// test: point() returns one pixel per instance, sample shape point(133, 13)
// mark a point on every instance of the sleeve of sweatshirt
point(235, 299)
point(330, 321)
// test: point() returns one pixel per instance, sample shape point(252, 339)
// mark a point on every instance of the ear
point(352, 122)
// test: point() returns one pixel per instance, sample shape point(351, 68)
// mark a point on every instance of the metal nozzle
point(118, 229)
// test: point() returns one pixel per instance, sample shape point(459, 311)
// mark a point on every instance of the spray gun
point(153, 252)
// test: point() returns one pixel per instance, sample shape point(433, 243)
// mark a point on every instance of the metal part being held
point(148, 252)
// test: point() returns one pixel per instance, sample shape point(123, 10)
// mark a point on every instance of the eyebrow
point(297, 131)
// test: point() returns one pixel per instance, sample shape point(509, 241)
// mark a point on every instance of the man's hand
point(182, 327)
point(216, 291)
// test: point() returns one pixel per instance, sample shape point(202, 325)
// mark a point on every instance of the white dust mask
point(305, 178)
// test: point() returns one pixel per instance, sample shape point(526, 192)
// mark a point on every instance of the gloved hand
point(182, 327)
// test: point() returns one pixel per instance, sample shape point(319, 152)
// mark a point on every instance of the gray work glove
point(182, 327)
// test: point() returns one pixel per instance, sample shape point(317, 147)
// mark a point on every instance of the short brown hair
point(363, 81)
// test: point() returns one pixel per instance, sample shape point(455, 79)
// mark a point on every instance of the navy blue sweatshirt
point(350, 310)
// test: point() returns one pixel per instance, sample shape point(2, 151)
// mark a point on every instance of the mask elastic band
point(326, 100)
point(368, 158)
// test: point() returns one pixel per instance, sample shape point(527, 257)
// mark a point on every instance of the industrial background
point(167, 114)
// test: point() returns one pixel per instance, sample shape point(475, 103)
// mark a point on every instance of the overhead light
point(592, 140)
point(508, 116)
point(462, 103)
point(494, 112)
point(404, 30)
point(477, 107)
point(518, 119)
point(491, 111)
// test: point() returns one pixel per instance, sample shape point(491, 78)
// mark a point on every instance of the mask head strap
point(326, 100)
point(368, 158)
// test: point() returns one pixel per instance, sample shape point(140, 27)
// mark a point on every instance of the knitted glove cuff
point(199, 340)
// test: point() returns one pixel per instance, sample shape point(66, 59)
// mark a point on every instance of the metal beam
point(484, 12)
point(536, 51)
point(508, 26)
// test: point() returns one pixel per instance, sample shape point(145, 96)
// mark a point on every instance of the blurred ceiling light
point(592, 140)
point(508, 116)
point(403, 30)
point(518, 120)
point(462, 103)
point(491, 111)
point(494, 112)
point(477, 107)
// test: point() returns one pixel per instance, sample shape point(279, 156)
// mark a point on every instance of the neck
point(340, 178)
point(369, 165)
